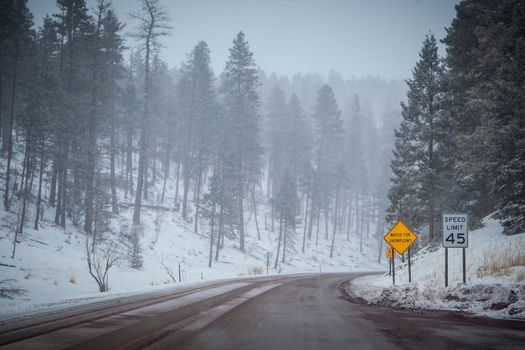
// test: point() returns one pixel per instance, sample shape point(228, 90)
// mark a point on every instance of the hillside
point(50, 263)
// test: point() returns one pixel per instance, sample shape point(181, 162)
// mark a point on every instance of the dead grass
point(501, 259)
point(520, 276)
point(72, 280)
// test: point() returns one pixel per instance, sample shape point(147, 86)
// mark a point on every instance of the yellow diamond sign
point(400, 237)
point(389, 252)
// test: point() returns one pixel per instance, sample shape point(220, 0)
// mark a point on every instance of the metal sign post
point(455, 235)
point(393, 271)
point(409, 269)
point(446, 267)
point(390, 254)
point(400, 238)
point(464, 266)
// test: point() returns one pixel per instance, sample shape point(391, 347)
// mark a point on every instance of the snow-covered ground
point(495, 278)
point(51, 265)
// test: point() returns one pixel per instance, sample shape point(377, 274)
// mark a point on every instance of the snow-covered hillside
point(51, 266)
point(495, 278)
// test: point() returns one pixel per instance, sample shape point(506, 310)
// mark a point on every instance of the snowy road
point(293, 312)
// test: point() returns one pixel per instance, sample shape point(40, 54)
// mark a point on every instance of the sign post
point(390, 256)
point(389, 252)
point(446, 267)
point(400, 238)
point(409, 269)
point(464, 267)
point(455, 235)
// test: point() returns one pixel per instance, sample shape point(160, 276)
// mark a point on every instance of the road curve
point(315, 314)
point(294, 312)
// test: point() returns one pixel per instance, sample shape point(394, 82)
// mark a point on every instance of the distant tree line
point(85, 129)
point(461, 142)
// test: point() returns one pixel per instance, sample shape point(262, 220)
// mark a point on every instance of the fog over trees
point(93, 120)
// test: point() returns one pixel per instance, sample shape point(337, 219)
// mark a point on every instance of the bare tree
point(101, 260)
point(167, 267)
point(153, 20)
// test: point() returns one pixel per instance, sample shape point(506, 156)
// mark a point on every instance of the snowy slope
point(495, 278)
point(50, 264)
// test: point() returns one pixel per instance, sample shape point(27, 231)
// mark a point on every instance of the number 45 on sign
point(455, 231)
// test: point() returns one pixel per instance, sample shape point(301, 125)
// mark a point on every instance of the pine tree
point(484, 78)
point(419, 163)
point(241, 103)
point(197, 105)
point(152, 25)
point(93, 119)
point(18, 21)
point(276, 137)
point(112, 46)
point(287, 205)
point(328, 142)
point(74, 26)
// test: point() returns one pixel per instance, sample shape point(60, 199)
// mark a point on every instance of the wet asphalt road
point(301, 312)
point(314, 314)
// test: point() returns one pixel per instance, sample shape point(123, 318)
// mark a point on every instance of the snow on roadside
point(495, 279)
point(492, 300)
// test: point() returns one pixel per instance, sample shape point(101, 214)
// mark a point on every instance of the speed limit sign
point(455, 230)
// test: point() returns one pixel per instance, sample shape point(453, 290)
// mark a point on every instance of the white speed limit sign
point(455, 230)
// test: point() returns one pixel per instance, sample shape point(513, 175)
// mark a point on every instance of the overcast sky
point(360, 38)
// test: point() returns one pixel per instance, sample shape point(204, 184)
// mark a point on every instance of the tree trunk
point(114, 200)
point(197, 204)
point(317, 226)
point(129, 162)
point(60, 173)
point(219, 236)
point(380, 227)
point(154, 165)
point(361, 228)
point(177, 185)
point(305, 222)
point(284, 240)
point(335, 224)
point(92, 124)
point(241, 220)
point(145, 182)
point(431, 189)
point(140, 180)
point(27, 193)
point(255, 212)
point(349, 221)
point(326, 219)
point(64, 187)
point(211, 234)
point(9, 129)
point(312, 219)
point(142, 154)
point(52, 191)
point(279, 242)
point(166, 173)
point(24, 182)
point(39, 198)
point(186, 184)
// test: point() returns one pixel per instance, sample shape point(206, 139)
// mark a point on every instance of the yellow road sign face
point(400, 237)
point(389, 252)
